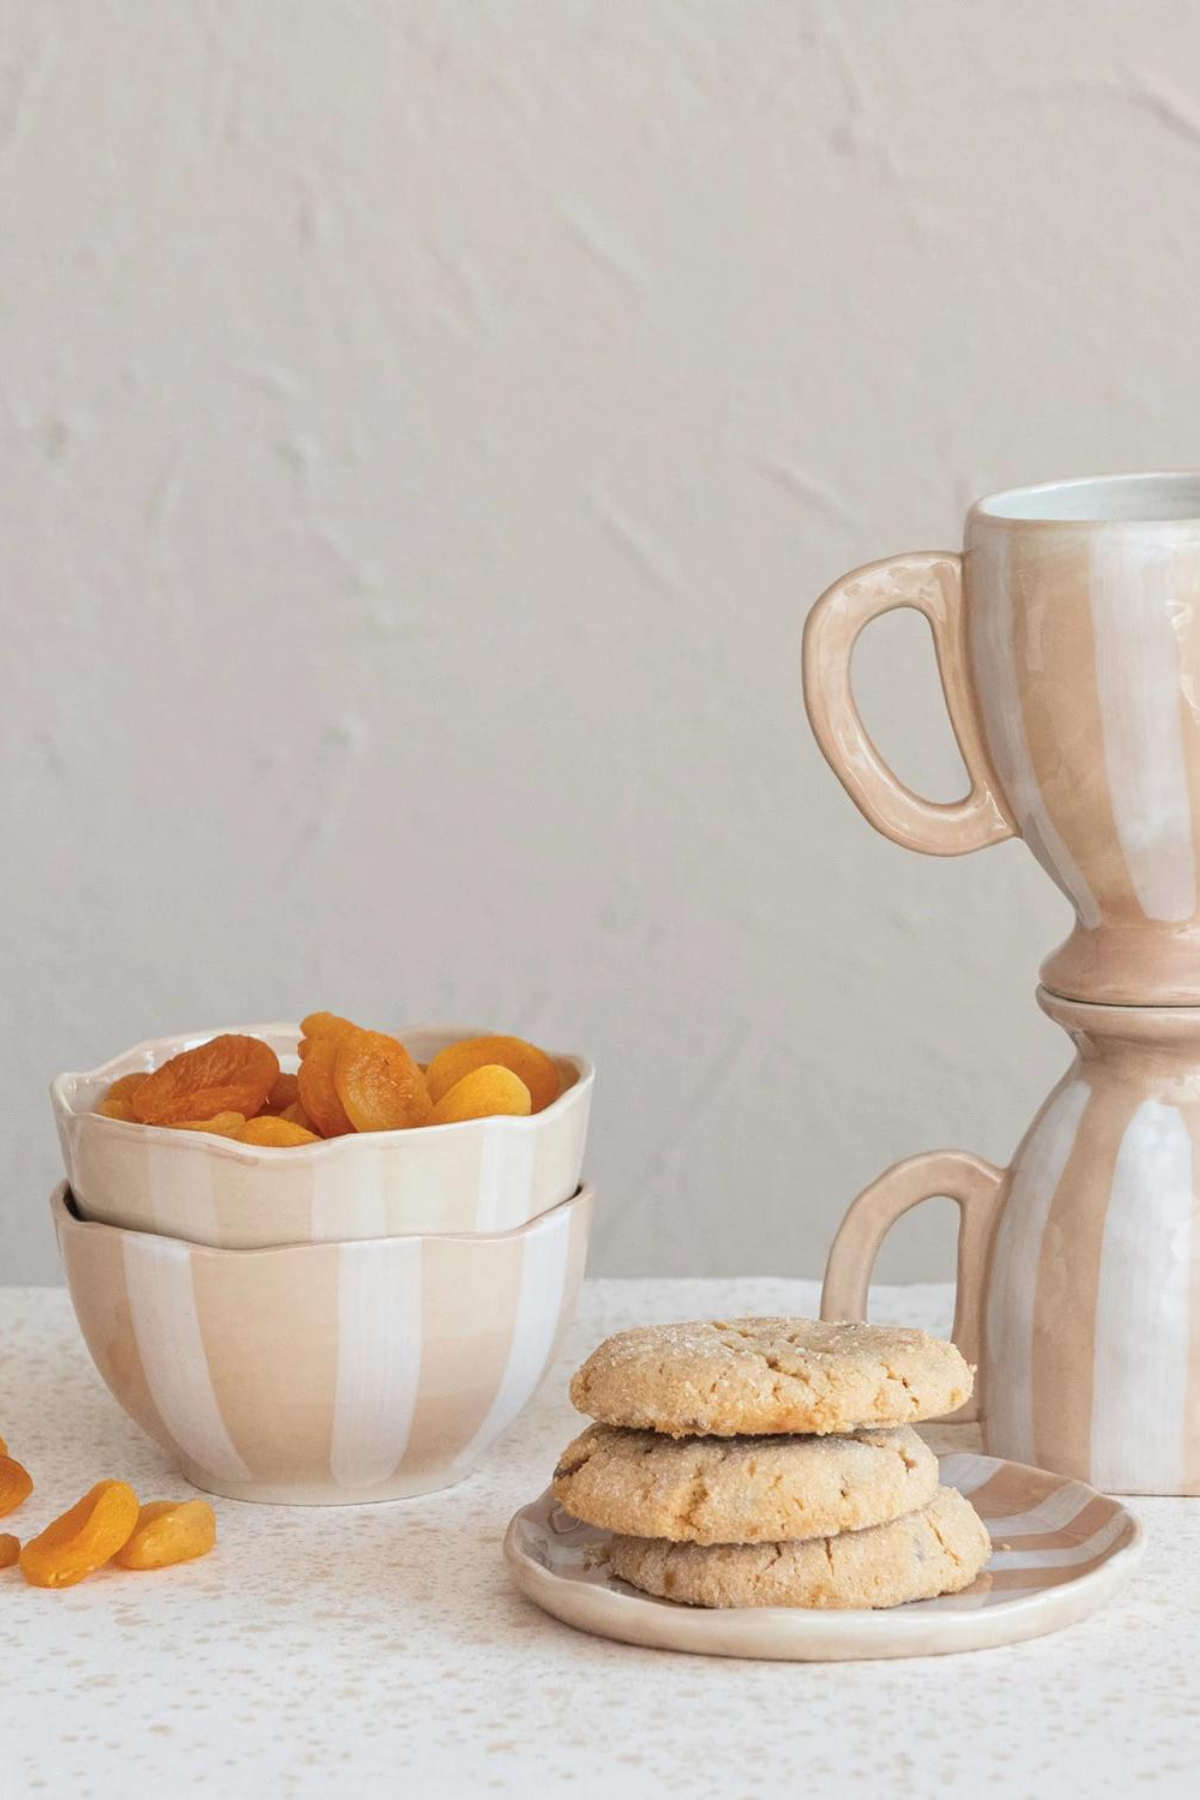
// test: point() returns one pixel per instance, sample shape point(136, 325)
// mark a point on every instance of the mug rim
point(1164, 498)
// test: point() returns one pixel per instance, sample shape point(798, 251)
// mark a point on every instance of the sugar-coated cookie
point(713, 1490)
point(726, 1378)
point(939, 1550)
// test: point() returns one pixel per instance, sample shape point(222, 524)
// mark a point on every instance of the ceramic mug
point(1068, 641)
point(1079, 1265)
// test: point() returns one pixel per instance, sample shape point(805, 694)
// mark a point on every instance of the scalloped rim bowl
point(484, 1175)
point(325, 1374)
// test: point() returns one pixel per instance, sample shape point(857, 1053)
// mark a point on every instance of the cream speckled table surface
point(380, 1650)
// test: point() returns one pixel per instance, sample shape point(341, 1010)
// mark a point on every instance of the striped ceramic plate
point(1060, 1551)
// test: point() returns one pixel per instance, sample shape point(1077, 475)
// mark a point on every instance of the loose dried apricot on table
point(167, 1532)
point(16, 1483)
point(10, 1549)
point(538, 1071)
point(378, 1083)
point(483, 1094)
point(230, 1073)
point(82, 1539)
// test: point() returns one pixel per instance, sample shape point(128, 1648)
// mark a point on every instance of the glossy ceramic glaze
point(1068, 639)
point(1079, 1265)
point(322, 1374)
point(483, 1175)
point(1061, 1551)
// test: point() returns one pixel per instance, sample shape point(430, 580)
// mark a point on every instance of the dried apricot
point(285, 1091)
point(226, 1124)
point(538, 1071)
point(318, 1093)
point(117, 1109)
point(83, 1539)
point(378, 1083)
point(125, 1086)
point(326, 1024)
point(296, 1115)
point(230, 1073)
point(482, 1094)
point(10, 1549)
point(169, 1531)
point(274, 1132)
point(16, 1484)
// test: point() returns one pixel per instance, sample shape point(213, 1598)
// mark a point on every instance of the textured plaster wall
point(424, 427)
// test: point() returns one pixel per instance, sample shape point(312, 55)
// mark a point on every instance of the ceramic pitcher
point(1068, 640)
point(1079, 1265)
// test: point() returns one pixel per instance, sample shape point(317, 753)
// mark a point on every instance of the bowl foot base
point(300, 1493)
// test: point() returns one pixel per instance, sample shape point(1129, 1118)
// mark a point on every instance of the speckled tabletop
point(381, 1650)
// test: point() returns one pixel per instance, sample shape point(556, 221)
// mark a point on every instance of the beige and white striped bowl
point(321, 1374)
point(482, 1175)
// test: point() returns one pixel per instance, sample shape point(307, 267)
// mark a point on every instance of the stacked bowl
point(351, 1320)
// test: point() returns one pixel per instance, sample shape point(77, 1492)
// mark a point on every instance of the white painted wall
point(425, 425)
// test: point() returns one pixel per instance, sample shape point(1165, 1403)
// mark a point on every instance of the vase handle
point(974, 1185)
point(929, 581)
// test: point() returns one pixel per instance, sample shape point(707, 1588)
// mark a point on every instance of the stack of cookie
point(772, 1462)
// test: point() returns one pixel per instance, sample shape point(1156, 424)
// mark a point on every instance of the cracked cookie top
point(938, 1550)
point(740, 1490)
point(721, 1378)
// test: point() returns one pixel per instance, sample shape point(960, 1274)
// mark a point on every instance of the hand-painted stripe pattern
point(1143, 1308)
point(326, 1372)
point(378, 1360)
point(1092, 1309)
point(539, 1309)
point(1011, 1324)
point(1131, 603)
point(1075, 1531)
point(166, 1328)
point(998, 687)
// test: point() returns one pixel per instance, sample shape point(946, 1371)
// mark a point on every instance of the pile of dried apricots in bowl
point(349, 1079)
point(291, 1134)
point(280, 1240)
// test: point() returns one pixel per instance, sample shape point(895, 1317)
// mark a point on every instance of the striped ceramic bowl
point(321, 1374)
point(483, 1175)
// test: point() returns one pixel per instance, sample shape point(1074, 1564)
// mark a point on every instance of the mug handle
point(929, 581)
point(969, 1181)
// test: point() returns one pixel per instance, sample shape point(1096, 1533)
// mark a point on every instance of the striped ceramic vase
point(1079, 1265)
point(1068, 640)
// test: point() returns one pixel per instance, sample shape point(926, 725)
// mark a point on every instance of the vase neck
point(1106, 1033)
